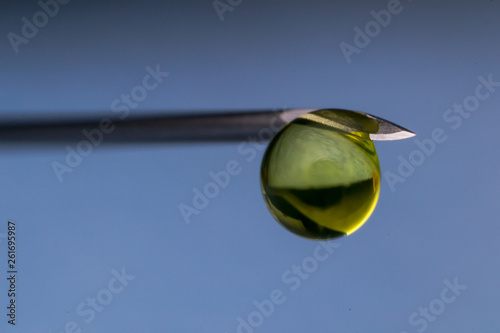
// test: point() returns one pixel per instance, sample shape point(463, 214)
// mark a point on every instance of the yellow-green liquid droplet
point(319, 182)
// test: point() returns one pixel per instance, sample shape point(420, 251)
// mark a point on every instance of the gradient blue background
point(119, 208)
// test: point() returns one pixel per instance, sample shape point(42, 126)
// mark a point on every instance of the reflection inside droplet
point(318, 181)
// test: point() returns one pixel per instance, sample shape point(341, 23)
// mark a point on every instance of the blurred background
point(104, 246)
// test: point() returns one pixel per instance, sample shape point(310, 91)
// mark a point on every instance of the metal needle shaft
point(172, 128)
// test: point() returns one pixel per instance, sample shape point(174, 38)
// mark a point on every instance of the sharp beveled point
point(404, 134)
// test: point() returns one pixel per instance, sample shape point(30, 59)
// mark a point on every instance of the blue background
point(119, 207)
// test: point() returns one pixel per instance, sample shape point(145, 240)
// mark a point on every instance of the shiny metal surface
point(221, 127)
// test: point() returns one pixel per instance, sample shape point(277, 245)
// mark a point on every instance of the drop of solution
point(320, 181)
